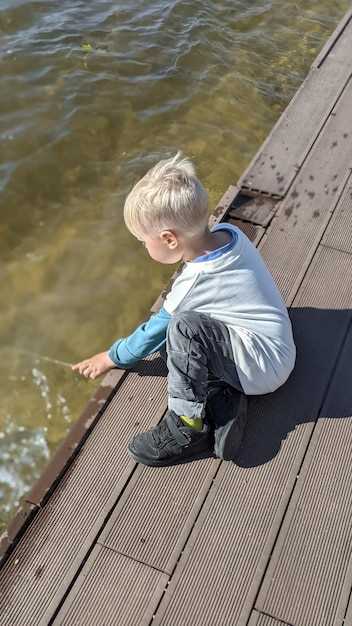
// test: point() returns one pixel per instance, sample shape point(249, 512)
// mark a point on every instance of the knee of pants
point(184, 323)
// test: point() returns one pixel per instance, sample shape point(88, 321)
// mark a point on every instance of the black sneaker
point(171, 442)
point(226, 411)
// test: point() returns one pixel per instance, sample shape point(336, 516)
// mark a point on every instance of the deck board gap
point(325, 245)
point(132, 558)
point(277, 619)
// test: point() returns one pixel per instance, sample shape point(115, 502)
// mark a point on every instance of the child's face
point(164, 248)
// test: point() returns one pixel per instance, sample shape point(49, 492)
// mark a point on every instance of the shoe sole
point(165, 462)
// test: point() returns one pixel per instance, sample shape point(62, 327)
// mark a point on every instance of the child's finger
point(86, 369)
point(78, 366)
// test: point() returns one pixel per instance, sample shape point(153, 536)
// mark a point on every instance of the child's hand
point(95, 366)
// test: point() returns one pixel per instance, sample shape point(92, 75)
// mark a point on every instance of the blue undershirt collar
point(214, 254)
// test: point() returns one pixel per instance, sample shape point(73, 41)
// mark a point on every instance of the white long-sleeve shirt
point(231, 284)
point(237, 288)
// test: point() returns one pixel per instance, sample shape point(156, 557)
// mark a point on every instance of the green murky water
point(92, 95)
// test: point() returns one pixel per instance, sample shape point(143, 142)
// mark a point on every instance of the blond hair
point(169, 196)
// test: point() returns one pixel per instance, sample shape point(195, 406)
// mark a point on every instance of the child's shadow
point(319, 386)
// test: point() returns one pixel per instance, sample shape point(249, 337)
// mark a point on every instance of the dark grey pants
point(198, 350)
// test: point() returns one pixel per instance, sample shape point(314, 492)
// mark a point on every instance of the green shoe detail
point(192, 422)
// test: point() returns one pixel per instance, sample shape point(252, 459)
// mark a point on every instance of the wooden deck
point(265, 541)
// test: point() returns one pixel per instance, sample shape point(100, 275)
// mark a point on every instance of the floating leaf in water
point(86, 47)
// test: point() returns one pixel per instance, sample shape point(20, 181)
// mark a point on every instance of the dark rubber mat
point(257, 210)
point(339, 231)
point(156, 513)
point(34, 578)
point(283, 152)
point(113, 590)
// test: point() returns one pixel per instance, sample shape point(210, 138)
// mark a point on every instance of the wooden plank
point(155, 535)
point(303, 216)
point(275, 166)
point(331, 42)
point(304, 580)
point(310, 559)
point(339, 231)
point(41, 568)
point(113, 589)
point(240, 520)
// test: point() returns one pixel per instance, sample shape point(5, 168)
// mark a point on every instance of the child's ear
point(169, 238)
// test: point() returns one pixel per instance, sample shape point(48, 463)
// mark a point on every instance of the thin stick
point(44, 358)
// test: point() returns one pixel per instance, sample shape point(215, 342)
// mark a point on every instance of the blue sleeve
point(145, 339)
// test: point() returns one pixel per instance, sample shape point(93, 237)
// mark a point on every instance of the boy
point(223, 317)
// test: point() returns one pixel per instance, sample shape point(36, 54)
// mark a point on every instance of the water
point(92, 95)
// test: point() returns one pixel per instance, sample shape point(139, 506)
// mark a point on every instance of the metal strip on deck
point(299, 224)
point(35, 577)
point(155, 515)
point(339, 232)
point(230, 534)
point(275, 166)
point(115, 590)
